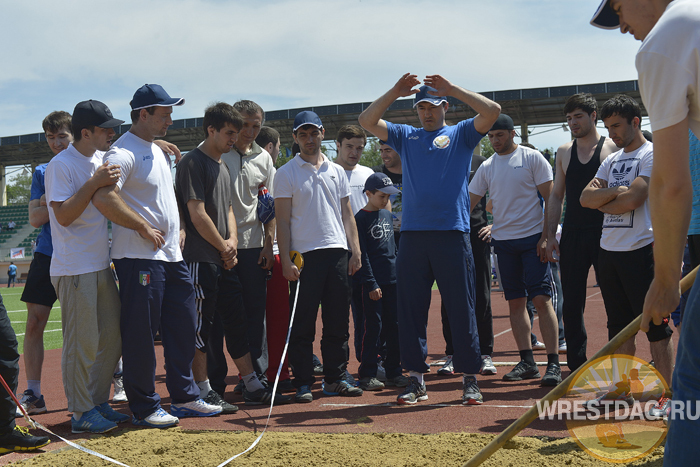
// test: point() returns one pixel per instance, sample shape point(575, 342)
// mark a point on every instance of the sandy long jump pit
point(175, 447)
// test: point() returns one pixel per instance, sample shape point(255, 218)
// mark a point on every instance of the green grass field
point(17, 311)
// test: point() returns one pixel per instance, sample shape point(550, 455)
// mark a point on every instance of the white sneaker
point(119, 393)
point(158, 419)
point(195, 408)
point(487, 366)
point(562, 348)
point(538, 346)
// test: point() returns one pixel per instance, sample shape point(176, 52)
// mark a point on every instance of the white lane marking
point(394, 404)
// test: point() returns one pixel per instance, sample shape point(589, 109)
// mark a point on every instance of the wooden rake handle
point(560, 391)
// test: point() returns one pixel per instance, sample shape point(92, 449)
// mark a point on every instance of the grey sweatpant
point(90, 312)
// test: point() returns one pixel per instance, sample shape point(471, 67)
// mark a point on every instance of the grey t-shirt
point(202, 178)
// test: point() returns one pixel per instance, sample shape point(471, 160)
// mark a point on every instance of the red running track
point(374, 411)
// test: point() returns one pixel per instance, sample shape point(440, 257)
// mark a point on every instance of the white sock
point(77, 416)
point(35, 386)
point(418, 376)
point(252, 383)
point(204, 388)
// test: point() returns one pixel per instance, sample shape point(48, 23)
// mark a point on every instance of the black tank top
point(577, 177)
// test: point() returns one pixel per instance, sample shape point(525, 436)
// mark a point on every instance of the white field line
point(24, 311)
point(45, 330)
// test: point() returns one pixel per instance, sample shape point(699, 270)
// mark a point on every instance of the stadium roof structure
point(527, 107)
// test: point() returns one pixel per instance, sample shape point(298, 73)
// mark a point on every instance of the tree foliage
point(19, 190)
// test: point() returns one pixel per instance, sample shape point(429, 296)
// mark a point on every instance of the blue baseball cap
point(605, 17)
point(153, 95)
point(307, 117)
point(423, 96)
point(380, 181)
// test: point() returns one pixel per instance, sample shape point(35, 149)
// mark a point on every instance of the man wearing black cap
point(154, 283)
point(80, 271)
point(314, 218)
point(514, 177)
point(669, 82)
point(435, 244)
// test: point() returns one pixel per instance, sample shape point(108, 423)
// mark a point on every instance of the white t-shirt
point(512, 181)
point(356, 180)
point(316, 218)
point(631, 230)
point(668, 63)
point(247, 173)
point(83, 246)
point(146, 186)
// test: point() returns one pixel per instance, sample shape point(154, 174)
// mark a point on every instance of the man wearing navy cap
point(436, 161)
point(314, 218)
point(80, 271)
point(669, 82)
point(154, 283)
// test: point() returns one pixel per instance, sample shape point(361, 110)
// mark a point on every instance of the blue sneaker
point(158, 419)
point(195, 408)
point(32, 404)
point(92, 422)
point(110, 414)
point(303, 395)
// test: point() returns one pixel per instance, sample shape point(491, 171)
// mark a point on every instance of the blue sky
point(291, 53)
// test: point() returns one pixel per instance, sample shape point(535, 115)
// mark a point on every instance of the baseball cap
point(605, 17)
point(307, 117)
point(423, 96)
point(94, 113)
point(150, 95)
point(503, 122)
point(380, 181)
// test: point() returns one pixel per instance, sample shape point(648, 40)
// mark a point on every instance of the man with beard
point(620, 190)
point(577, 163)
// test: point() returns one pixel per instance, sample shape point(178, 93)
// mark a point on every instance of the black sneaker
point(369, 383)
point(285, 386)
point(19, 439)
point(413, 393)
point(552, 377)
point(341, 388)
point(522, 370)
point(264, 396)
point(238, 389)
point(471, 394)
point(213, 398)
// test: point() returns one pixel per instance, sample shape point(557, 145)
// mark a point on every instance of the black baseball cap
point(503, 122)
point(94, 113)
point(153, 95)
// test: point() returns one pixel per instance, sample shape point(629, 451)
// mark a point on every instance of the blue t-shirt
point(12, 270)
point(43, 240)
point(376, 236)
point(436, 166)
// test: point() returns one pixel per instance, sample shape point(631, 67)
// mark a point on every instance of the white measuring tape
point(277, 377)
point(298, 260)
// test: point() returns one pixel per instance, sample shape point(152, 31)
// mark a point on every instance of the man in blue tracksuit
point(436, 162)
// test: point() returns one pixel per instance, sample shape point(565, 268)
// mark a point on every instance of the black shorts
point(625, 277)
point(38, 288)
